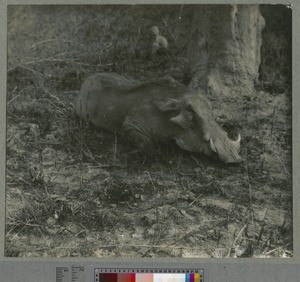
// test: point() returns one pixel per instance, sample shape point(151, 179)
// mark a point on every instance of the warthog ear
point(168, 104)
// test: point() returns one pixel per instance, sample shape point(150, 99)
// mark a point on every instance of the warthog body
point(152, 111)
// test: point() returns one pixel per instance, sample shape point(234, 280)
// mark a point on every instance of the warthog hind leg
point(137, 133)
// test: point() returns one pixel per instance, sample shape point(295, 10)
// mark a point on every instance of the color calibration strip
point(148, 275)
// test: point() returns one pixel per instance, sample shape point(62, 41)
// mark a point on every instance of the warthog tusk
point(212, 145)
point(207, 137)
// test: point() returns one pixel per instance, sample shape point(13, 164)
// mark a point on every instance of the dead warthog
point(151, 111)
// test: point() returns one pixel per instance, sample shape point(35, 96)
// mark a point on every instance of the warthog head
point(198, 131)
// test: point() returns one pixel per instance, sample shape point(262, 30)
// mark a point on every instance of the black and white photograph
point(149, 131)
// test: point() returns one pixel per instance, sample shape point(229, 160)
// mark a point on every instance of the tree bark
point(224, 49)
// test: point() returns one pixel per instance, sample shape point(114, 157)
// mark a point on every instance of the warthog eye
point(189, 117)
point(189, 108)
point(189, 114)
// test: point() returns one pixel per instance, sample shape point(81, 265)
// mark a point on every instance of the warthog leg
point(136, 132)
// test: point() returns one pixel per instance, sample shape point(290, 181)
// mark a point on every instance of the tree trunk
point(224, 49)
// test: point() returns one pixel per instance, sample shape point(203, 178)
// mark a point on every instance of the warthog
point(147, 112)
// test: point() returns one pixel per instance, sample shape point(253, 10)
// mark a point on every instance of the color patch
point(108, 277)
point(126, 277)
point(144, 277)
point(190, 277)
point(169, 277)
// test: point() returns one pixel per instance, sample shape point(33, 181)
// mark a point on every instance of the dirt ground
point(73, 190)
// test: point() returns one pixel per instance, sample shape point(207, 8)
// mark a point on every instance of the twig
point(48, 60)
point(179, 17)
point(21, 229)
point(249, 185)
point(138, 246)
point(236, 238)
point(26, 68)
point(46, 41)
point(90, 155)
point(187, 174)
point(262, 228)
point(284, 167)
point(57, 108)
point(273, 119)
point(195, 200)
point(195, 160)
point(167, 26)
point(115, 148)
point(28, 224)
point(107, 166)
point(151, 180)
point(53, 60)
point(52, 95)
point(14, 98)
point(239, 234)
point(275, 249)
